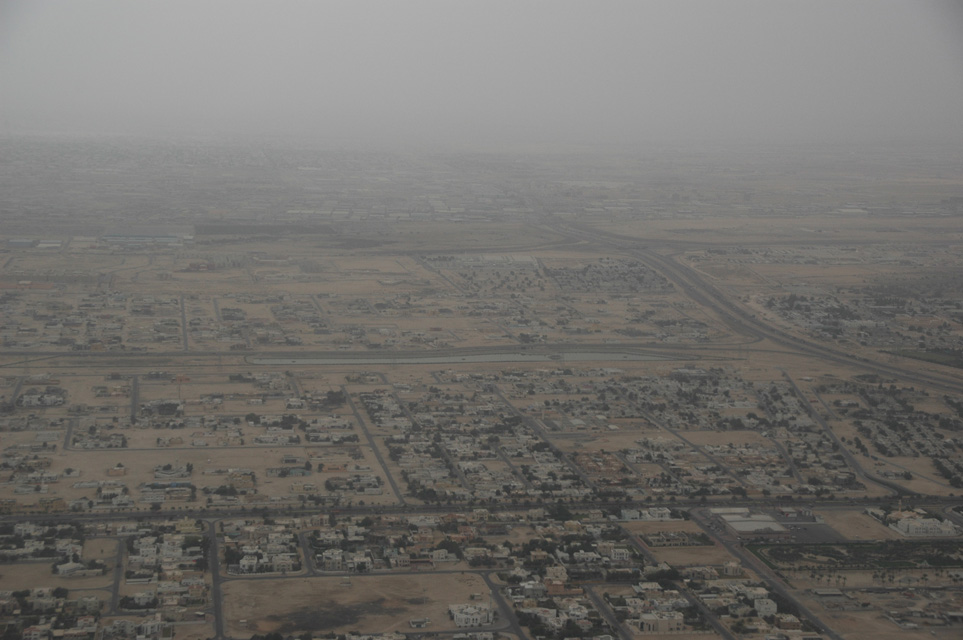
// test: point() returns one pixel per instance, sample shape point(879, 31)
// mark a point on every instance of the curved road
point(744, 322)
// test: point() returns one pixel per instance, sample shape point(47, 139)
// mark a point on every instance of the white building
point(925, 527)
point(470, 615)
point(661, 622)
point(764, 607)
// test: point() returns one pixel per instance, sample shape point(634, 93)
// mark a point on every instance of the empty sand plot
point(689, 556)
point(856, 525)
point(369, 604)
point(874, 624)
point(31, 575)
point(103, 549)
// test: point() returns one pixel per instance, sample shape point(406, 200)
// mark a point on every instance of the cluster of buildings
point(870, 316)
point(258, 547)
point(915, 523)
point(165, 560)
point(30, 540)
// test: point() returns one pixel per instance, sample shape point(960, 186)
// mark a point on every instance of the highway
point(141, 359)
point(745, 323)
point(294, 509)
point(850, 459)
point(751, 334)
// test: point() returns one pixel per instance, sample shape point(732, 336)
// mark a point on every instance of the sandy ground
point(856, 525)
point(388, 602)
point(344, 286)
point(722, 438)
point(860, 579)
point(369, 604)
point(30, 575)
point(200, 630)
point(103, 549)
point(873, 624)
point(690, 556)
point(750, 228)
point(642, 528)
point(608, 441)
point(925, 478)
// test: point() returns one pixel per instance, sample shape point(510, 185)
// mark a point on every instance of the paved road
point(184, 323)
point(536, 427)
point(118, 575)
point(71, 425)
point(790, 462)
point(695, 447)
point(696, 602)
point(308, 552)
point(745, 323)
point(850, 459)
point(449, 461)
point(505, 612)
point(710, 617)
point(294, 509)
point(374, 447)
point(217, 595)
point(659, 349)
point(516, 472)
point(607, 614)
point(774, 583)
point(134, 397)
point(640, 546)
point(16, 390)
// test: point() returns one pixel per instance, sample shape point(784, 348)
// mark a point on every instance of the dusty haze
point(487, 72)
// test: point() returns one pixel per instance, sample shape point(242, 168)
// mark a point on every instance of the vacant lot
point(692, 556)
point(856, 525)
point(31, 575)
point(369, 604)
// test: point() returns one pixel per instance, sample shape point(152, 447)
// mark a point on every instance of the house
point(621, 554)
point(787, 621)
point(764, 607)
point(283, 563)
point(36, 632)
point(470, 615)
point(117, 470)
point(441, 555)
point(241, 479)
point(69, 568)
point(586, 557)
point(187, 525)
point(661, 622)
point(249, 563)
point(332, 560)
point(51, 504)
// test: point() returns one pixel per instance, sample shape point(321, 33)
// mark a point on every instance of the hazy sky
point(492, 70)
